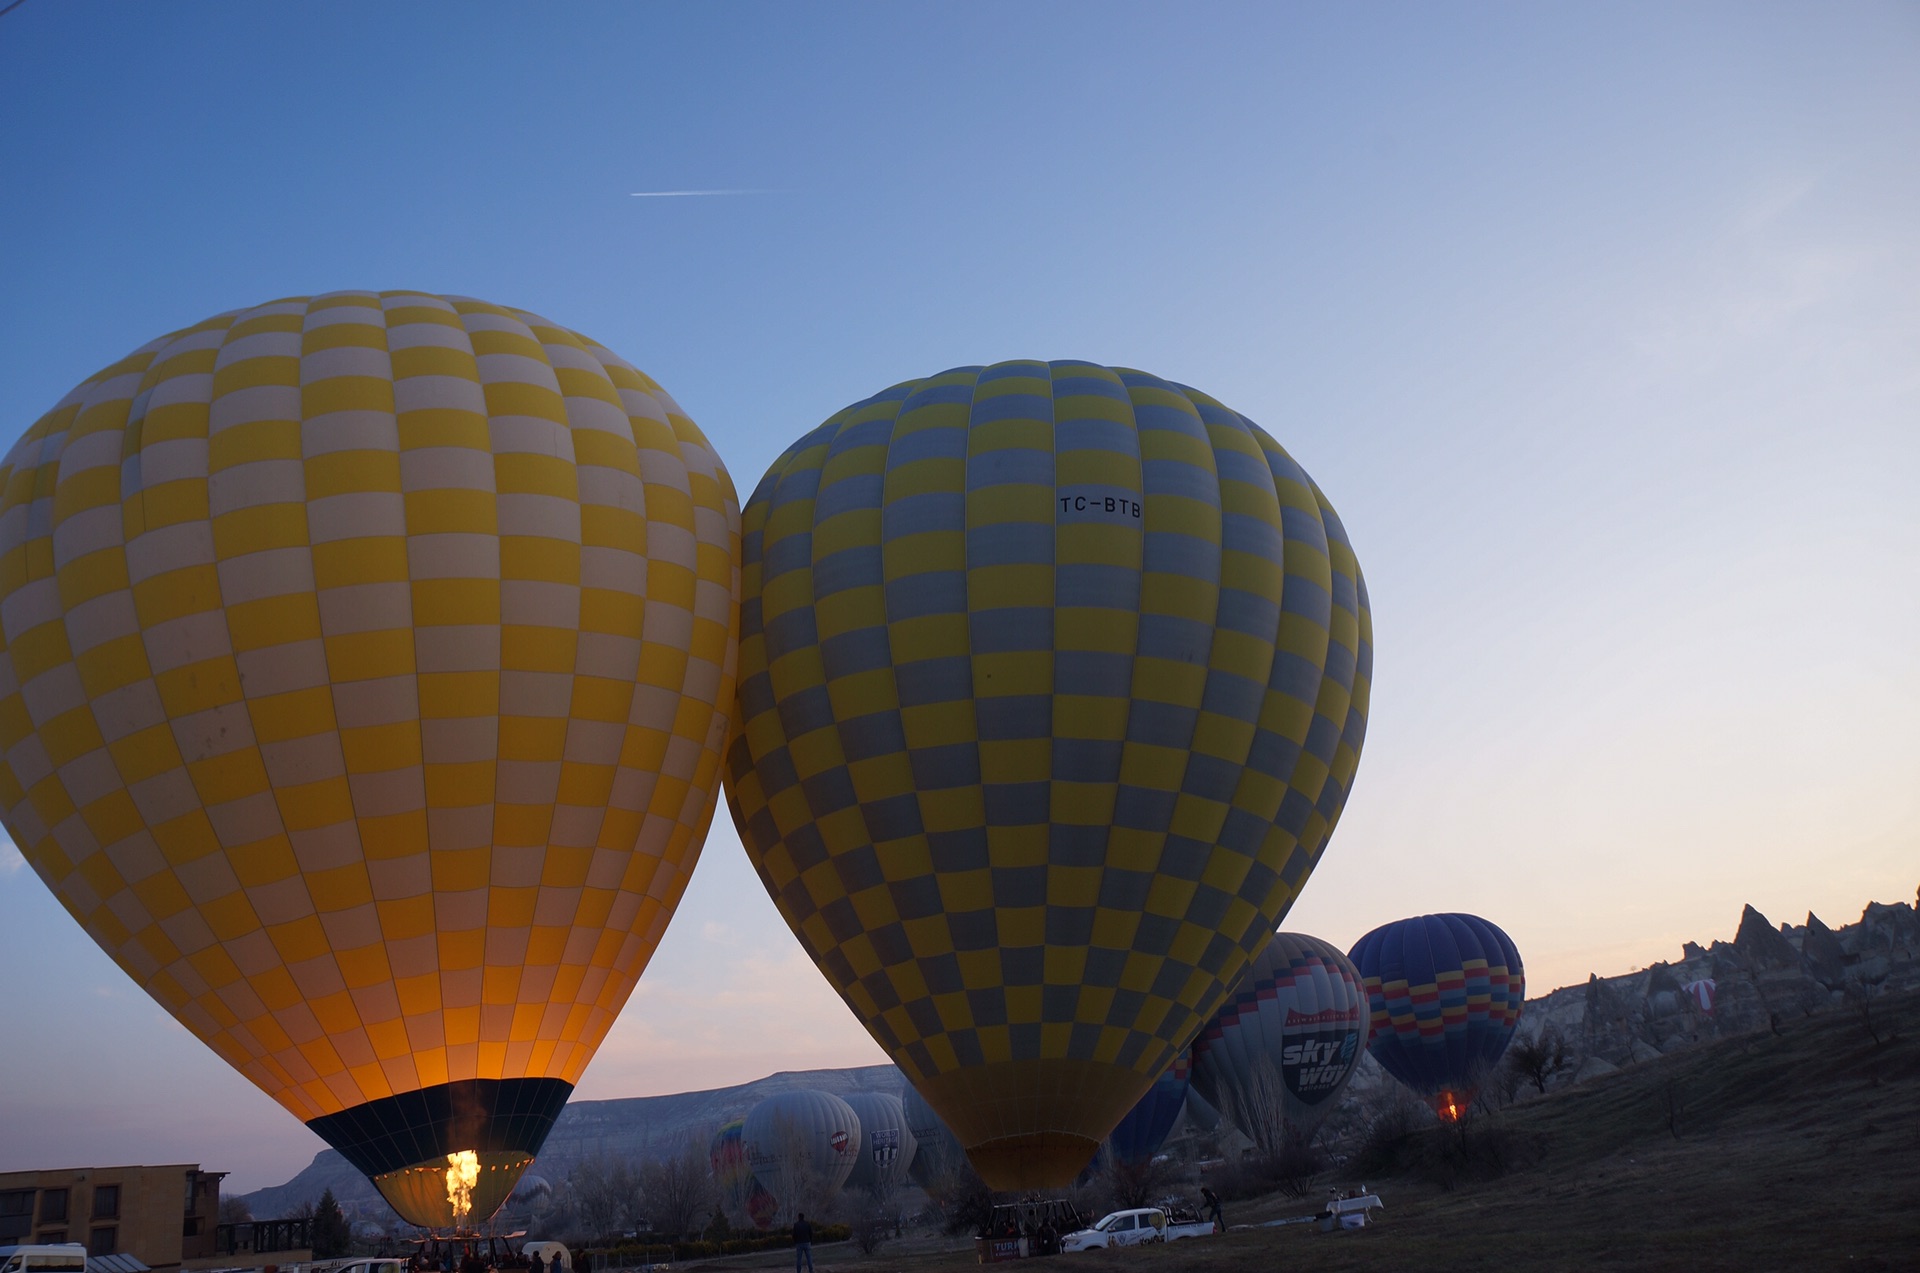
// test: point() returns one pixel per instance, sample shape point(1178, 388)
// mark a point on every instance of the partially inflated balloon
point(1277, 1055)
point(1053, 682)
point(1444, 994)
point(936, 1151)
point(1138, 1136)
point(799, 1140)
point(732, 1171)
point(365, 661)
point(886, 1143)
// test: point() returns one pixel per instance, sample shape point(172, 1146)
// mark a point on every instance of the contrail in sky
point(686, 194)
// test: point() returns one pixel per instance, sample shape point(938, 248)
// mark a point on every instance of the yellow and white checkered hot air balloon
point(365, 666)
point(1053, 682)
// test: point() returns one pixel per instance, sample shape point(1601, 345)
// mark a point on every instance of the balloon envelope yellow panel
point(1053, 683)
point(365, 665)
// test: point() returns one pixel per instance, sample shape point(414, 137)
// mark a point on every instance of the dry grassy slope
point(1797, 1152)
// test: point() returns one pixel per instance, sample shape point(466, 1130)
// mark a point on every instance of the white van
point(52, 1257)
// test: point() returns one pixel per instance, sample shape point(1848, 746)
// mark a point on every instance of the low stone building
point(163, 1216)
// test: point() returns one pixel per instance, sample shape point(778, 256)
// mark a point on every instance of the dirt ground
point(1795, 1151)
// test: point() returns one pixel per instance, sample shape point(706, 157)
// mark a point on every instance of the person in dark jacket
point(1212, 1200)
point(802, 1243)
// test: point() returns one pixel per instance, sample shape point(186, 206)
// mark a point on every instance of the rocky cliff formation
point(1766, 974)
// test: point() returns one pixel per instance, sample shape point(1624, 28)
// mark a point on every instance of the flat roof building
point(165, 1216)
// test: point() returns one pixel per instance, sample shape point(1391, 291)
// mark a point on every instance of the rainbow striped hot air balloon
point(365, 661)
point(1054, 681)
point(1444, 994)
point(730, 1167)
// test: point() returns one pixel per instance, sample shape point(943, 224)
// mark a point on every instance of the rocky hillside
point(1763, 977)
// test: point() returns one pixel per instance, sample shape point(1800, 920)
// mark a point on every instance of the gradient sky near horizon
point(1599, 325)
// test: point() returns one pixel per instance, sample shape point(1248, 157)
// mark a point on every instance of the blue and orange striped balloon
point(1444, 995)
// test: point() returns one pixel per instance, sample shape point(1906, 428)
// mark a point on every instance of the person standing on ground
point(802, 1243)
point(1212, 1200)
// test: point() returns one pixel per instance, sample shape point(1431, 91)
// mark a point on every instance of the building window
point(53, 1235)
point(106, 1203)
point(53, 1206)
point(16, 1214)
point(103, 1240)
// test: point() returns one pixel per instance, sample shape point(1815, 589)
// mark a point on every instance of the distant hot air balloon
point(365, 661)
point(732, 1172)
point(533, 1192)
point(936, 1151)
point(1701, 992)
point(1138, 1136)
point(761, 1207)
point(800, 1140)
point(886, 1142)
point(1444, 995)
point(1053, 682)
point(1277, 1055)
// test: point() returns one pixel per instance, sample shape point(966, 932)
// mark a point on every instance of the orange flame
point(463, 1172)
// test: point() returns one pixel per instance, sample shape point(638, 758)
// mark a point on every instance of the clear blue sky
point(1598, 325)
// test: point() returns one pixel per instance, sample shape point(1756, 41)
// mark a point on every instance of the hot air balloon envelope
point(365, 661)
point(1053, 682)
point(887, 1145)
point(1138, 1136)
point(937, 1151)
point(1279, 1052)
point(801, 1138)
point(1444, 995)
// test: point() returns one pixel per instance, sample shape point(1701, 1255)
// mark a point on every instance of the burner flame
point(463, 1173)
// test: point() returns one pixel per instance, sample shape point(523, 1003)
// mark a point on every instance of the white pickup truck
point(1134, 1227)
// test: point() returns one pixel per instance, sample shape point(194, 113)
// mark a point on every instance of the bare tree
point(603, 1191)
point(1258, 1108)
point(235, 1210)
point(1135, 1184)
point(1539, 1058)
point(679, 1189)
point(959, 1199)
point(793, 1176)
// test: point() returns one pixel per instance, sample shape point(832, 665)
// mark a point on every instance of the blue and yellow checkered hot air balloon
point(365, 665)
point(1053, 683)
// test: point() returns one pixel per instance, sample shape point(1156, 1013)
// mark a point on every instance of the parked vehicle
point(1185, 1223)
point(1121, 1228)
point(44, 1257)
